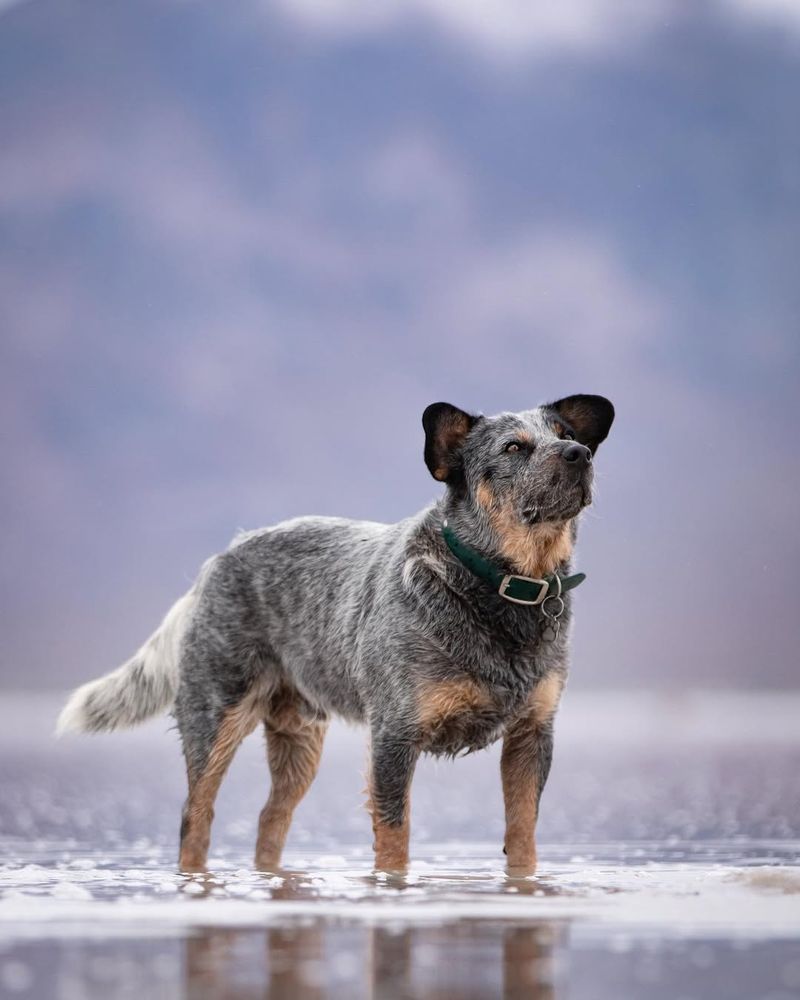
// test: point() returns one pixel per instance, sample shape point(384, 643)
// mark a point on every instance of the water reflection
point(311, 961)
point(528, 966)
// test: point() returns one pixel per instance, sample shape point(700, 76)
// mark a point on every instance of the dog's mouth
point(560, 508)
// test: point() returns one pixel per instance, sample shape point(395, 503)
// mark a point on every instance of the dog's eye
point(512, 447)
point(568, 435)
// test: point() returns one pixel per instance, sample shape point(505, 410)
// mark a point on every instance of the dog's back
point(293, 605)
point(282, 605)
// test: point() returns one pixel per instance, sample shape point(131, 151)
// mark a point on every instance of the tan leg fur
point(521, 775)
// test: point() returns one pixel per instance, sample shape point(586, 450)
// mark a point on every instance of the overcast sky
point(243, 245)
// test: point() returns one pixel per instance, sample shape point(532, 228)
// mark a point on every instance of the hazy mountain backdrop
point(243, 244)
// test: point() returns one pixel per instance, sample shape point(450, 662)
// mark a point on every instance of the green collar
point(518, 589)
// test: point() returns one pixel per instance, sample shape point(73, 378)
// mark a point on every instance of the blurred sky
point(243, 244)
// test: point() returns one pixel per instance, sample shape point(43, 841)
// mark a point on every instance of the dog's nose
point(577, 454)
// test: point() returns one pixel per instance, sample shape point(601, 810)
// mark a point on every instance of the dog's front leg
point(391, 770)
point(525, 765)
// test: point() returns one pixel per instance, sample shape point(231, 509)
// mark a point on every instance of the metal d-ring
point(548, 614)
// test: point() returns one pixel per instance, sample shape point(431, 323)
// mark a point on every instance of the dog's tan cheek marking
point(485, 495)
point(237, 723)
point(518, 771)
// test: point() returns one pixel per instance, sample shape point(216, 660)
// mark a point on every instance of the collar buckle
point(508, 581)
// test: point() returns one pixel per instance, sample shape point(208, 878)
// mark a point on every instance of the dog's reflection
point(528, 962)
point(465, 959)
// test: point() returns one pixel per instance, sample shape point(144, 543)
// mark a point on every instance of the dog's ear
point(446, 427)
point(590, 417)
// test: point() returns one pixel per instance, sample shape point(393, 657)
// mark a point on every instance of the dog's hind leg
point(294, 748)
point(209, 743)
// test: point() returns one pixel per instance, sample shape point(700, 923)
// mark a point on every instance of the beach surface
point(669, 848)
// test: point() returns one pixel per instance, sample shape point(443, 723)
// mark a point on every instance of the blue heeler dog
point(442, 633)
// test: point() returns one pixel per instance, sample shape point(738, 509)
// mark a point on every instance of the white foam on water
point(669, 899)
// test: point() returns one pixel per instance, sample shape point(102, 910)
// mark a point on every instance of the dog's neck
point(534, 550)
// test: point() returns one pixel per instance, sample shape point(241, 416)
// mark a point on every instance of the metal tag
point(552, 624)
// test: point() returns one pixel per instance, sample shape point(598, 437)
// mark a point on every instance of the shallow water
point(670, 867)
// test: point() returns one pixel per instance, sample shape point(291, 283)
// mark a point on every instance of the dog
point(443, 633)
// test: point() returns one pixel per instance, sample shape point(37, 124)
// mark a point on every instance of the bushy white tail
point(142, 687)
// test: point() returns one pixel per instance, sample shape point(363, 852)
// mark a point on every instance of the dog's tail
point(144, 686)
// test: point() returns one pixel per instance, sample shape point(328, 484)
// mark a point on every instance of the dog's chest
point(460, 714)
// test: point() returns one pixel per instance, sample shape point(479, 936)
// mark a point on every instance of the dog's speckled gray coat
point(355, 615)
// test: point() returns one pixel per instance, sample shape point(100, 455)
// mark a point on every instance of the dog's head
point(528, 468)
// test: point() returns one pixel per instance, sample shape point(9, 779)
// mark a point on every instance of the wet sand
point(670, 867)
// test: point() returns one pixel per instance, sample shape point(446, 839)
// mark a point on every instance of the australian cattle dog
point(442, 633)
